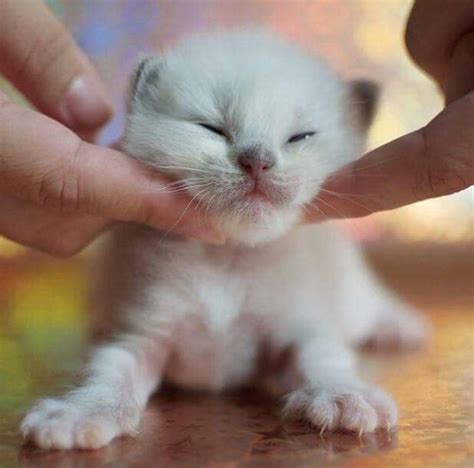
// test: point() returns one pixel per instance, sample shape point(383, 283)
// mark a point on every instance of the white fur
point(203, 316)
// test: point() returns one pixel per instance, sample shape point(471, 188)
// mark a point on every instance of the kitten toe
point(60, 425)
point(353, 409)
point(322, 411)
point(95, 432)
point(385, 407)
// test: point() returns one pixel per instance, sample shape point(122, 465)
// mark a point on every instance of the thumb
point(43, 162)
point(39, 57)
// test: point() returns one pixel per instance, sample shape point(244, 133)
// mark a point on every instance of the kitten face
point(249, 124)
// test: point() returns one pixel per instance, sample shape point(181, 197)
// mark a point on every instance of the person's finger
point(43, 162)
point(432, 31)
point(46, 229)
point(39, 57)
point(460, 74)
point(433, 161)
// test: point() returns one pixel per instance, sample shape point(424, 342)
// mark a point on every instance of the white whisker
point(348, 198)
point(216, 169)
point(179, 219)
point(342, 215)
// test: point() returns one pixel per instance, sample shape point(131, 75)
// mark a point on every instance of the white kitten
point(251, 126)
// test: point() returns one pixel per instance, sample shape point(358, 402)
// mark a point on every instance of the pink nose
point(255, 161)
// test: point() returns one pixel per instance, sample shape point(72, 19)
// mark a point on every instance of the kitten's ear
point(143, 87)
point(364, 96)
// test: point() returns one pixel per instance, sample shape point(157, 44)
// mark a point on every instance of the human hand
point(437, 159)
point(57, 191)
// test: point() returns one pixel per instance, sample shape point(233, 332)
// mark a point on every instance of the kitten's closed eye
point(213, 129)
point(301, 136)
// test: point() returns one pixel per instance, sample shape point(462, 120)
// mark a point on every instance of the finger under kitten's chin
point(195, 226)
point(206, 234)
point(190, 224)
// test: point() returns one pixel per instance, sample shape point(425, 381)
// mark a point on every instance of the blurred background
point(361, 38)
point(42, 300)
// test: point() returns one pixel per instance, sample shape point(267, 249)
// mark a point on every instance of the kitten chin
point(268, 227)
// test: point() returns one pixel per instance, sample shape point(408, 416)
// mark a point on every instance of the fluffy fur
point(222, 317)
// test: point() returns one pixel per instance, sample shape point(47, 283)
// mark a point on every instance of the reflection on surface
point(43, 323)
point(183, 429)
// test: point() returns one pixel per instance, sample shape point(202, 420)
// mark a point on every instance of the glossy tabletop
point(42, 344)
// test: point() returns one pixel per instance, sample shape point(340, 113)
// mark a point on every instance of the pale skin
point(59, 191)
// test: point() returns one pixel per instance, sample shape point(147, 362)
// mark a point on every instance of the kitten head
point(249, 124)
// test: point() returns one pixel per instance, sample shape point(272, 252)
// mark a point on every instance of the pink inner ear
point(364, 97)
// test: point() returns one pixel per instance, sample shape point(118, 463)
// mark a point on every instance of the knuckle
point(437, 173)
point(55, 47)
point(60, 188)
point(46, 50)
point(58, 191)
point(438, 182)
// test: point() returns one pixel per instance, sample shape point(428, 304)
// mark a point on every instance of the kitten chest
point(215, 346)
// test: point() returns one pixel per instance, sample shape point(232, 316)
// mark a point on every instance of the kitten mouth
point(257, 193)
point(266, 192)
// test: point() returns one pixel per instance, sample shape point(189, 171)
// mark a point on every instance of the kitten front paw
point(62, 424)
point(354, 409)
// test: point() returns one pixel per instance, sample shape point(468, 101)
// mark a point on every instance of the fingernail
point(84, 105)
